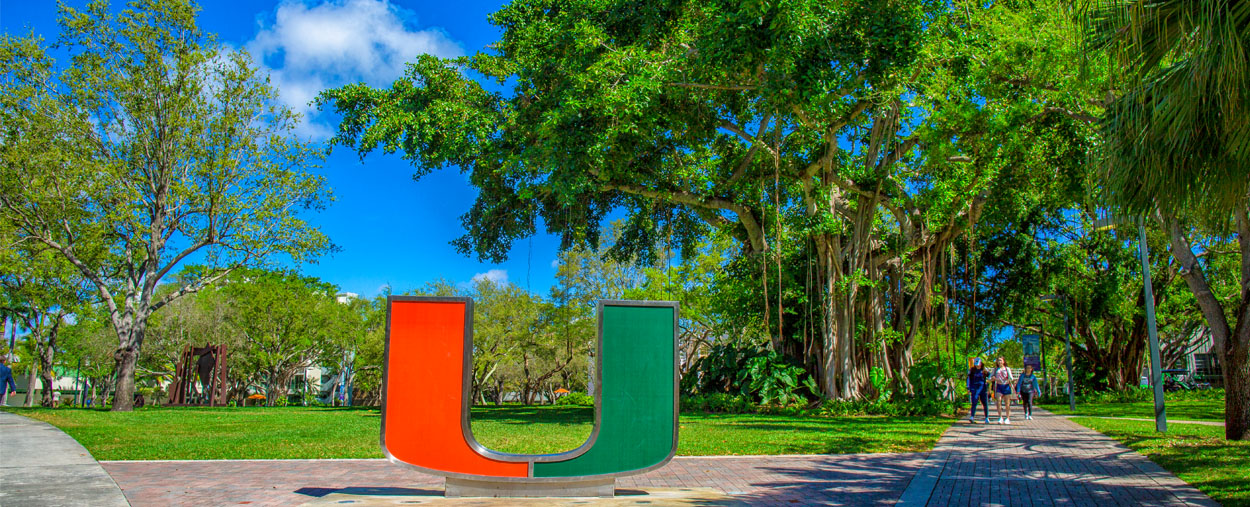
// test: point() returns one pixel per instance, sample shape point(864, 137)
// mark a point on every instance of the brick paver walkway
point(846, 479)
point(1047, 461)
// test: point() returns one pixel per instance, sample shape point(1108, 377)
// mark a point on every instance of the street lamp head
point(1104, 224)
point(1113, 220)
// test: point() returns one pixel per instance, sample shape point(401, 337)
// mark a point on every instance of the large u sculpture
point(426, 398)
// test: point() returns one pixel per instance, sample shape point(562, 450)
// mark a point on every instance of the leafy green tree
point(692, 283)
point(369, 346)
point(584, 276)
point(1100, 276)
point(877, 129)
point(154, 145)
point(504, 318)
point(1177, 146)
point(530, 339)
point(194, 320)
point(286, 321)
point(42, 291)
point(88, 343)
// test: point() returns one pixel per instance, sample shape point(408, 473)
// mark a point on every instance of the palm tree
point(1176, 144)
point(1179, 134)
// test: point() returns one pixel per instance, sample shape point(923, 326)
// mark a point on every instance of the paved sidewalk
point(1047, 461)
point(42, 466)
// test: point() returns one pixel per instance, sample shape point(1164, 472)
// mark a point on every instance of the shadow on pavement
point(369, 491)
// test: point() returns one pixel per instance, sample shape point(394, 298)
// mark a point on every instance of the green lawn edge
point(1180, 410)
point(1197, 454)
point(338, 433)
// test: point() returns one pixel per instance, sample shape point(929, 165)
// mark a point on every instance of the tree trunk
point(124, 388)
point(103, 395)
point(1120, 362)
point(49, 389)
point(31, 373)
point(46, 360)
point(1237, 348)
point(1237, 379)
point(1234, 343)
point(129, 337)
point(838, 372)
point(276, 388)
point(526, 387)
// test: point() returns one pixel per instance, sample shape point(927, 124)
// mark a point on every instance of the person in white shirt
point(1004, 387)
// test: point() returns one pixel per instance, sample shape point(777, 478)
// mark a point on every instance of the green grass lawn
point(296, 432)
point(1181, 410)
point(1198, 454)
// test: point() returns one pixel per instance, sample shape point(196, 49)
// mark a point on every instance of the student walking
point(7, 386)
point(978, 390)
point(1028, 388)
point(1003, 389)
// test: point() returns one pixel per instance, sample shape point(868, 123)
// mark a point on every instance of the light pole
point(1042, 341)
point(1152, 328)
point(1067, 343)
point(77, 376)
point(12, 329)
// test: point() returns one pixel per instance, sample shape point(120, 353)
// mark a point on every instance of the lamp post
point(12, 329)
point(77, 377)
point(1067, 343)
point(1152, 328)
point(1042, 341)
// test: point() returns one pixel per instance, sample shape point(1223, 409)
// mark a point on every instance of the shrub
point(718, 402)
point(775, 381)
point(1201, 395)
point(929, 386)
point(1134, 395)
point(577, 399)
point(751, 371)
point(879, 384)
point(789, 410)
point(835, 408)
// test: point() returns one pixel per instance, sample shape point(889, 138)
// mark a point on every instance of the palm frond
point(1178, 136)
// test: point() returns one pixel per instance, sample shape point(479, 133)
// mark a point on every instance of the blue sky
point(391, 230)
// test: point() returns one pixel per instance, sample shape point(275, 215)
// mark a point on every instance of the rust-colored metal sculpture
point(206, 364)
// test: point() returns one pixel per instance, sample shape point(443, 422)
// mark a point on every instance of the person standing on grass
point(1028, 388)
point(7, 386)
point(1003, 389)
point(978, 390)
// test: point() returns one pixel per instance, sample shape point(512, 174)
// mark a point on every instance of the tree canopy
point(877, 132)
point(154, 145)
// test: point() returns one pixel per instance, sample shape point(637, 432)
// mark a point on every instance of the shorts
point(1003, 389)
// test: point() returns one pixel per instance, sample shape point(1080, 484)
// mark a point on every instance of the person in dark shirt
point(7, 386)
point(978, 390)
point(1028, 388)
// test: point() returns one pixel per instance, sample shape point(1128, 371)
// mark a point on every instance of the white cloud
point(309, 48)
point(555, 263)
point(498, 276)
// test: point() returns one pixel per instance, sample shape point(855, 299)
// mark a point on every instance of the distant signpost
point(1032, 345)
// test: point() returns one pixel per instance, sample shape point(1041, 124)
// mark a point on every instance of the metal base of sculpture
point(206, 364)
point(463, 488)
